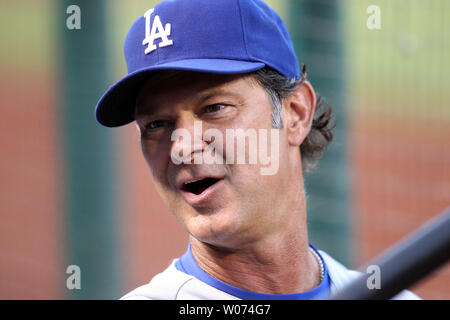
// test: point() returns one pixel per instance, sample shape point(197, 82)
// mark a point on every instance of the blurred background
point(75, 193)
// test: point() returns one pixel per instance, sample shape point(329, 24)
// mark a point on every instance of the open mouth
point(198, 186)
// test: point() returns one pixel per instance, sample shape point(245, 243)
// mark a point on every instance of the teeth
point(192, 181)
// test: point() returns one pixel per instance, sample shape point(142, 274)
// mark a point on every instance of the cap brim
point(116, 107)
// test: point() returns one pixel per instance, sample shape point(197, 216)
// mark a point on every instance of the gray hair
point(278, 88)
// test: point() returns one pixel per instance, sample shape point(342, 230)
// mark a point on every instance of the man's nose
point(187, 139)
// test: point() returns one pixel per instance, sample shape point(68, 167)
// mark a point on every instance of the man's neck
point(277, 264)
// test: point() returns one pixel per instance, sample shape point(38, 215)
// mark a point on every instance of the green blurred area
point(27, 33)
point(405, 62)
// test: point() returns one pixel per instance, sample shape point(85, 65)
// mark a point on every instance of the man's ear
point(299, 107)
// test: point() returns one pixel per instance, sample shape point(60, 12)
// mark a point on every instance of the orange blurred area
point(397, 186)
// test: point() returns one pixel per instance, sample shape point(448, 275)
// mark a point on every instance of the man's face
point(232, 204)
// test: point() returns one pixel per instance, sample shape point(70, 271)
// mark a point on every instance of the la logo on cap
point(157, 31)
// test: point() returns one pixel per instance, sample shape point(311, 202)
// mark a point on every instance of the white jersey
point(173, 284)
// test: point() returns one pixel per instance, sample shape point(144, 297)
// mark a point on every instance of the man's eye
point(213, 108)
point(157, 124)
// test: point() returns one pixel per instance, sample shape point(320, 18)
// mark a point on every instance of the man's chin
point(218, 229)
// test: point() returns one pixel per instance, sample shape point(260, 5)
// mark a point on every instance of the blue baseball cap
point(219, 36)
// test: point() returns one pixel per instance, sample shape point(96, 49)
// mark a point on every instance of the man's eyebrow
point(146, 109)
point(150, 109)
point(215, 92)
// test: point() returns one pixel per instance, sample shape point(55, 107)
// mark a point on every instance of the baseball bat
point(411, 259)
